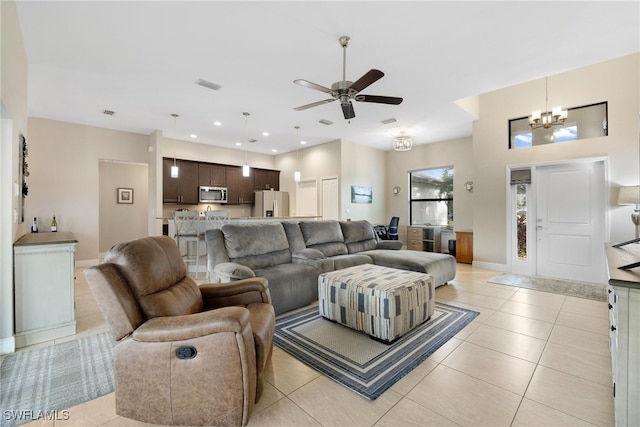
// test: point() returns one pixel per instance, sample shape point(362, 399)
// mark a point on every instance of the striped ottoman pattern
point(383, 302)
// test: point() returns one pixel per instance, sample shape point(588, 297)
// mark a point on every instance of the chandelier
point(546, 119)
point(402, 142)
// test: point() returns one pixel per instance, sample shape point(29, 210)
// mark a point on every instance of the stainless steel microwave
point(212, 194)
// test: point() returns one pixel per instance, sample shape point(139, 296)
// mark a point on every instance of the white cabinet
point(44, 287)
point(624, 332)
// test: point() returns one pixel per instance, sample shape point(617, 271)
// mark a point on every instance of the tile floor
point(529, 359)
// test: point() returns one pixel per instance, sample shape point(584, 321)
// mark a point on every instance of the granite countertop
point(48, 238)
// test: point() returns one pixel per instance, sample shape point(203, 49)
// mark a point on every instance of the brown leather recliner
point(185, 354)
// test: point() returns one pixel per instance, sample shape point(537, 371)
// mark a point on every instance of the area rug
point(592, 291)
point(42, 383)
point(360, 363)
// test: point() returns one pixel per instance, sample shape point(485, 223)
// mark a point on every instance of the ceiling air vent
point(389, 121)
point(326, 122)
point(108, 112)
point(208, 84)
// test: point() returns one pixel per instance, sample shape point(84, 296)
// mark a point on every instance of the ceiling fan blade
point(314, 104)
point(311, 85)
point(347, 111)
point(369, 78)
point(378, 99)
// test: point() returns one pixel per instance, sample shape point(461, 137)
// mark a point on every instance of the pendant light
point(296, 174)
point(174, 168)
point(246, 171)
point(546, 119)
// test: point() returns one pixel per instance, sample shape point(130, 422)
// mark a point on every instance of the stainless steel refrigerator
point(271, 204)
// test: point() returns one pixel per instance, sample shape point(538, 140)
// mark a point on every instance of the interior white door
point(570, 221)
point(307, 198)
point(330, 198)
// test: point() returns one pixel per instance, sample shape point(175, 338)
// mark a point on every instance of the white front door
point(570, 221)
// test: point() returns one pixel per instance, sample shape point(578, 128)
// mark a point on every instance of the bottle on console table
point(34, 225)
point(54, 225)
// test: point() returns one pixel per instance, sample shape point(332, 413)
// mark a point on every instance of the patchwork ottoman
point(383, 302)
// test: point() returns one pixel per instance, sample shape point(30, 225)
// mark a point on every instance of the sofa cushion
point(441, 266)
point(359, 236)
point(325, 236)
point(257, 245)
point(294, 235)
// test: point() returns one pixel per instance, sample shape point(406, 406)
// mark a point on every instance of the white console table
point(44, 287)
point(624, 332)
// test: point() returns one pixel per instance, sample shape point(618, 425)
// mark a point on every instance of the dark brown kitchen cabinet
point(183, 189)
point(239, 188)
point(212, 175)
point(267, 179)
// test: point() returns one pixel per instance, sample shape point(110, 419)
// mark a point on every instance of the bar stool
point(214, 220)
point(188, 231)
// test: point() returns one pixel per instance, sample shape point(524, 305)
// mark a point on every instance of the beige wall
point(614, 81)
point(119, 222)
point(456, 153)
point(13, 115)
point(64, 181)
point(314, 162)
point(362, 165)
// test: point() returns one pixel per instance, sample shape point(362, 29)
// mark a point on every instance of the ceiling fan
point(344, 90)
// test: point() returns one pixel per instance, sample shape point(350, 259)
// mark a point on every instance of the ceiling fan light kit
point(345, 91)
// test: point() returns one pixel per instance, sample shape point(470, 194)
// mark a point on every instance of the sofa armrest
point(179, 328)
point(314, 258)
point(230, 271)
point(239, 292)
point(390, 244)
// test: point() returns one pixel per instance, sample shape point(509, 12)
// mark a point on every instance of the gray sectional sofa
point(291, 255)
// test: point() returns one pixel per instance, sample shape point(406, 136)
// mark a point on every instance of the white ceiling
point(141, 60)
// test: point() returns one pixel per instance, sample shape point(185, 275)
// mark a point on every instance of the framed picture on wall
point(361, 194)
point(125, 195)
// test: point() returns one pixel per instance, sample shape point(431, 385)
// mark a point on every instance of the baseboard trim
point(87, 262)
point(7, 345)
point(490, 266)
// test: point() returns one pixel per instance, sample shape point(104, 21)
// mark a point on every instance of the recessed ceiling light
point(303, 142)
point(193, 135)
point(217, 123)
point(273, 150)
point(238, 143)
point(265, 133)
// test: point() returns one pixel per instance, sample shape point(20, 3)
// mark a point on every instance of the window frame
point(431, 199)
point(511, 133)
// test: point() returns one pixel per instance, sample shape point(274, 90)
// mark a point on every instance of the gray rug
point(41, 383)
point(592, 291)
point(353, 359)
